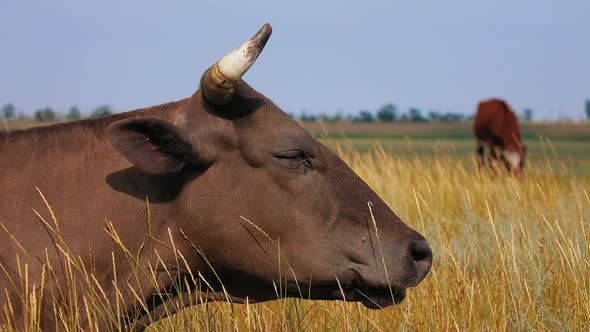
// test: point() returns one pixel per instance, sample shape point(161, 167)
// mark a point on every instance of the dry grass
point(509, 255)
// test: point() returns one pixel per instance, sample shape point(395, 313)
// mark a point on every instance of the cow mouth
point(381, 298)
point(373, 295)
point(350, 287)
point(372, 298)
point(377, 297)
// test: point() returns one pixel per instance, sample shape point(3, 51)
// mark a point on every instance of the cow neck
point(511, 132)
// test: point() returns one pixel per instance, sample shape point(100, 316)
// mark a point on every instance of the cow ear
point(153, 146)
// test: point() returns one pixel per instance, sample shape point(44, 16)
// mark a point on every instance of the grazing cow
point(244, 205)
point(495, 125)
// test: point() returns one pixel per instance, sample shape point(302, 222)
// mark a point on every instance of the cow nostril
point(422, 255)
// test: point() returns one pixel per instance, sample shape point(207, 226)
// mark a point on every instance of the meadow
point(509, 254)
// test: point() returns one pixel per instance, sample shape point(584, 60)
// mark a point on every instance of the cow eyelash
point(297, 159)
point(307, 163)
point(305, 159)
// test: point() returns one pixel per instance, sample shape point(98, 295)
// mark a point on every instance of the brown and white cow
point(496, 126)
point(231, 179)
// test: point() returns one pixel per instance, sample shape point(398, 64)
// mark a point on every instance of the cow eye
point(295, 159)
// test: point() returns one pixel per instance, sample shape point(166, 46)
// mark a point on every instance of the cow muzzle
point(384, 282)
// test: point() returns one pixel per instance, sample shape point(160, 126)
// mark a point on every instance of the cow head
point(514, 158)
point(269, 206)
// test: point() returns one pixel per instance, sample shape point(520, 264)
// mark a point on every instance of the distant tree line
point(389, 113)
point(48, 114)
point(386, 113)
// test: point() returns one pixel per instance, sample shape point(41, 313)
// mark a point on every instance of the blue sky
point(322, 57)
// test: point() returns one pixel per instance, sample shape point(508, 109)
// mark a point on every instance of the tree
point(528, 114)
point(588, 108)
point(365, 116)
point(73, 114)
point(387, 113)
point(307, 117)
point(434, 116)
point(451, 117)
point(8, 111)
point(101, 111)
point(45, 115)
point(416, 115)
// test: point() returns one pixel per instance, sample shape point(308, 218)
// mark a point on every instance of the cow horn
point(218, 81)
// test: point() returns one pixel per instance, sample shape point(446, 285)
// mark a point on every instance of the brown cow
point(495, 125)
point(231, 179)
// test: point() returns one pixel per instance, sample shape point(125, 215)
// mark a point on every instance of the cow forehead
point(271, 126)
point(270, 131)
